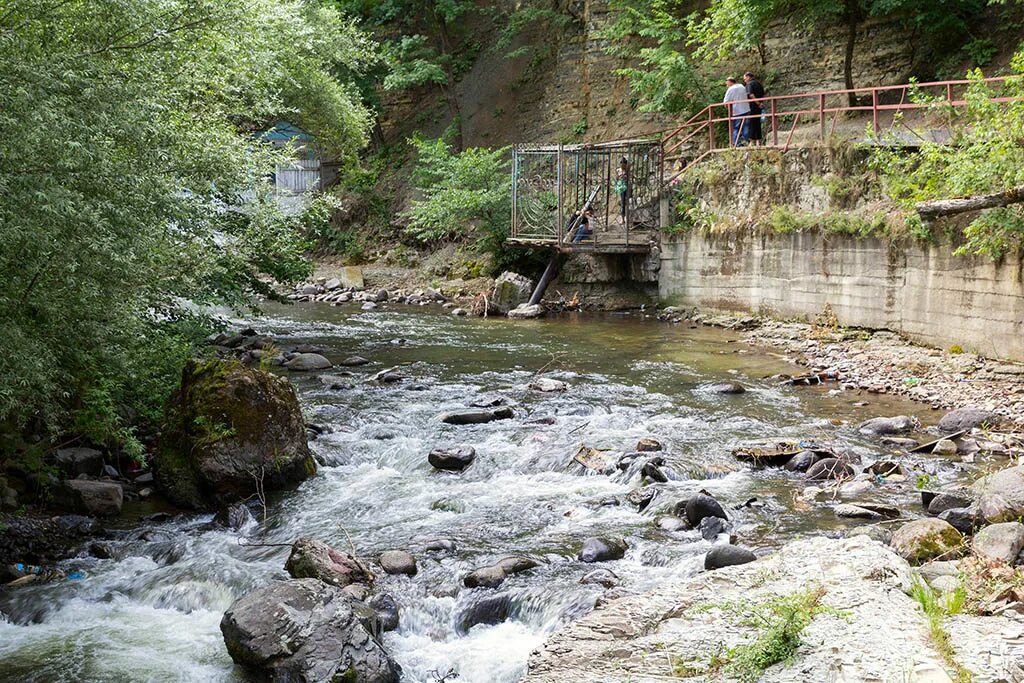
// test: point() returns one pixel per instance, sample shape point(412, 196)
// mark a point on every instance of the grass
point(936, 608)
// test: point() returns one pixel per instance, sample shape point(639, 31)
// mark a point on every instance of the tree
point(729, 25)
point(127, 154)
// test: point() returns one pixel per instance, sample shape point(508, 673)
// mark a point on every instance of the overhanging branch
point(947, 207)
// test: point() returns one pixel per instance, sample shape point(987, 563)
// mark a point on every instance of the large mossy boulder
point(510, 290)
point(228, 431)
point(927, 539)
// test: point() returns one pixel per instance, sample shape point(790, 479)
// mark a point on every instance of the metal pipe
point(549, 274)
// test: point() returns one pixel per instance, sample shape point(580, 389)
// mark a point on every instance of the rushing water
point(152, 612)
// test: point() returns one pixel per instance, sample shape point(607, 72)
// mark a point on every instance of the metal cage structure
point(571, 197)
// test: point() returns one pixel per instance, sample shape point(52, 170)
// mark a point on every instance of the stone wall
point(920, 290)
point(609, 281)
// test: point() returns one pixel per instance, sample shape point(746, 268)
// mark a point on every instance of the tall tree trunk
point(449, 86)
point(853, 17)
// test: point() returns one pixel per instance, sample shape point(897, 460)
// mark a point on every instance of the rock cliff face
point(571, 92)
point(870, 630)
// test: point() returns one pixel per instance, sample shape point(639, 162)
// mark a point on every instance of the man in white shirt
point(738, 106)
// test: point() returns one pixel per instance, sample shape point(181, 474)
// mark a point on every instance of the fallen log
point(931, 210)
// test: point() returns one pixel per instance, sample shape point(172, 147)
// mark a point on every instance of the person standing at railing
point(622, 186)
point(755, 93)
point(738, 105)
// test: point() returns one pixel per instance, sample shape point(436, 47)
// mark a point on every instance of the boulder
point(304, 630)
point(526, 312)
point(229, 431)
point(353, 361)
point(510, 290)
point(1001, 494)
point(307, 362)
point(966, 418)
point(387, 611)
point(489, 609)
point(648, 445)
point(700, 506)
point(672, 523)
point(1002, 541)
point(886, 426)
point(485, 577)
point(602, 549)
point(848, 511)
point(947, 501)
point(94, 498)
point(926, 539)
point(456, 458)
point(76, 461)
point(332, 284)
point(728, 388)
point(312, 559)
point(713, 527)
point(601, 577)
point(829, 468)
point(642, 497)
point(548, 385)
point(726, 555)
point(802, 461)
point(470, 417)
point(516, 564)
point(398, 562)
point(965, 520)
point(368, 306)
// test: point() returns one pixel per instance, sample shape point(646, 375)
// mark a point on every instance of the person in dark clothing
point(755, 93)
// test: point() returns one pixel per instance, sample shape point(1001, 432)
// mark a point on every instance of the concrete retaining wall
point(919, 290)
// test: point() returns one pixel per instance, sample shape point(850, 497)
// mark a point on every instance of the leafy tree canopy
point(128, 149)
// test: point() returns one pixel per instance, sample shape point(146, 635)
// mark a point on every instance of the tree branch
point(931, 210)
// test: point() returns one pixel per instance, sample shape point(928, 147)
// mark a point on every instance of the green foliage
point(936, 608)
point(780, 623)
point(652, 33)
point(459, 190)
point(126, 159)
point(985, 156)
point(413, 63)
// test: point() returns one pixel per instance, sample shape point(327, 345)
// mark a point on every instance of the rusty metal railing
point(710, 130)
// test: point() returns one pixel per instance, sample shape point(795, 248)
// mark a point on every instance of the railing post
point(874, 111)
point(821, 115)
point(559, 223)
point(515, 185)
point(949, 93)
point(711, 127)
point(775, 127)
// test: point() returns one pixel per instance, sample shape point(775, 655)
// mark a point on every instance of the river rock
point(966, 418)
point(488, 609)
point(1001, 494)
point(304, 630)
point(601, 577)
point(848, 511)
point(228, 431)
point(728, 388)
point(485, 577)
point(652, 471)
point(802, 461)
point(648, 445)
point(76, 461)
point(829, 468)
point(699, 506)
point(887, 426)
point(95, 498)
point(368, 306)
point(307, 362)
point(602, 549)
point(353, 361)
point(469, 417)
point(947, 501)
point(965, 520)
point(387, 611)
point(726, 555)
point(1002, 541)
point(456, 458)
point(548, 385)
point(926, 539)
point(713, 527)
point(642, 497)
point(313, 559)
point(516, 564)
point(398, 562)
point(510, 290)
point(944, 447)
point(526, 312)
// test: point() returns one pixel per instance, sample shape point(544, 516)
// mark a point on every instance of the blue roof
point(283, 131)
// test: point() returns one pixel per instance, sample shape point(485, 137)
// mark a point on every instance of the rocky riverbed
point(483, 484)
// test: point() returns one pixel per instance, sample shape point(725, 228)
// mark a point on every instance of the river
point(152, 611)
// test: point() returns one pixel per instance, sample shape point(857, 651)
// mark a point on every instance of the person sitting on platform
point(582, 221)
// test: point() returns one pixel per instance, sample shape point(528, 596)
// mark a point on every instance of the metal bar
point(821, 116)
point(515, 191)
point(874, 111)
point(711, 128)
point(789, 139)
point(559, 218)
point(775, 127)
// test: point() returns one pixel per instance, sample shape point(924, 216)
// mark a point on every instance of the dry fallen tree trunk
point(948, 207)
